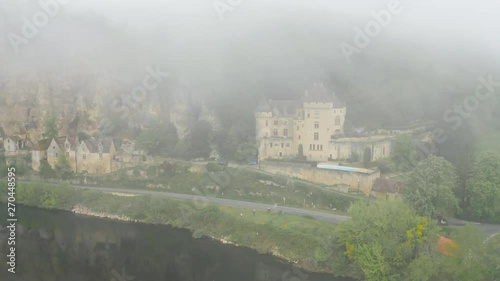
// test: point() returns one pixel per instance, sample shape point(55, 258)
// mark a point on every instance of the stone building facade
point(313, 126)
point(88, 156)
point(360, 180)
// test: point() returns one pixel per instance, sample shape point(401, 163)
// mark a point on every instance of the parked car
point(252, 163)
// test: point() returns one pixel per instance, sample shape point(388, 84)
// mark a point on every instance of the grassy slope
point(298, 239)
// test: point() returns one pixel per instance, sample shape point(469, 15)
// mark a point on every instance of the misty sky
point(280, 35)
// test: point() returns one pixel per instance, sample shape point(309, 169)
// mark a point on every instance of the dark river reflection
point(61, 246)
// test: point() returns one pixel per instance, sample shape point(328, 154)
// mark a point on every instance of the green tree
point(3, 164)
point(474, 258)
point(403, 149)
point(158, 139)
point(429, 187)
point(62, 167)
point(50, 125)
point(46, 170)
point(383, 239)
point(198, 140)
point(484, 187)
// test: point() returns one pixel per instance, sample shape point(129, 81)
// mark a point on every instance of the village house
point(384, 188)
point(313, 128)
point(65, 145)
point(14, 145)
point(39, 153)
point(96, 156)
point(88, 156)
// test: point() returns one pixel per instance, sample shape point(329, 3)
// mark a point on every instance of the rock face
point(80, 100)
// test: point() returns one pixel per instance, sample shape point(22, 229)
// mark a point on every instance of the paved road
point(490, 229)
point(224, 202)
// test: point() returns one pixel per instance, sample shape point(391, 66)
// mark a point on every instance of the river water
point(62, 246)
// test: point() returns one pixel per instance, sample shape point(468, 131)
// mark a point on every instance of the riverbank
point(301, 240)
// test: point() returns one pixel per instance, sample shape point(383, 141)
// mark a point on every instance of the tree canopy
point(403, 149)
point(62, 168)
point(484, 187)
point(430, 187)
point(383, 240)
point(50, 127)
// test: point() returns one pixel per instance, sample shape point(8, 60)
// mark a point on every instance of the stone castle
point(312, 128)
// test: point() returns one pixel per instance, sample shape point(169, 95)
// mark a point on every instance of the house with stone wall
point(65, 145)
point(96, 156)
point(39, 153)
point(88, 156)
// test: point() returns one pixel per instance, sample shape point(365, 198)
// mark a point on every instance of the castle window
point(316, 125)
point(67, 146)
point(285, 132)
point(337, 120)
point(316, 136)
point(84, 156)
point(316, 114)
point(275, 132)
point(281, 154)
point(310, 147)
point(271, 144)
point(321, 147)
point(308, 115)
point(299, 137)
point(282, 145)
point(267, 123)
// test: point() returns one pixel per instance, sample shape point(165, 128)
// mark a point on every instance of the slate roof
point(42, 145)
point(263, 105)
point(318, 93)
point(384, 185)
point(285, 107)
point(94, 145)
